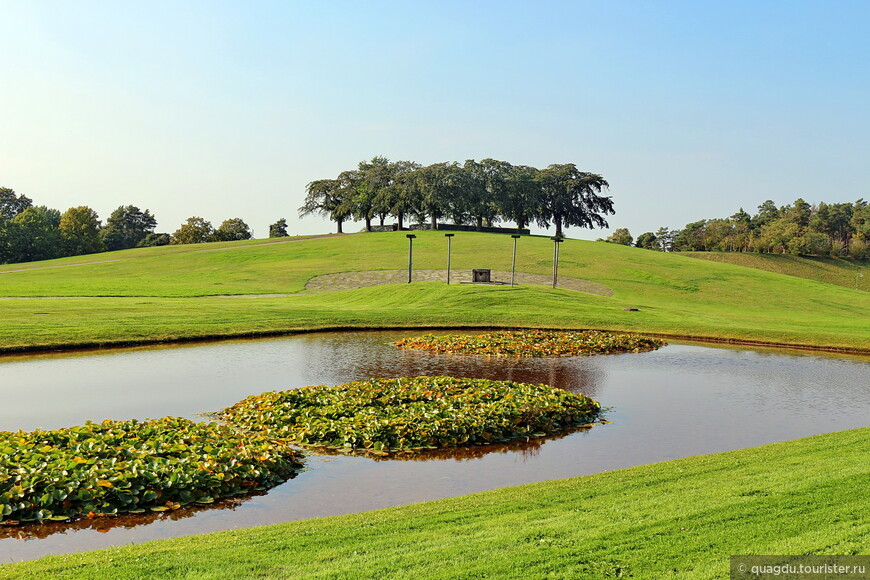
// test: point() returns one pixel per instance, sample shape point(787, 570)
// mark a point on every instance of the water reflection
point(526, 448)
point(104, 524)
point(679, 401)
point(382, 360)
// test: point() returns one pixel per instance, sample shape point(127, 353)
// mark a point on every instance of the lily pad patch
point(407, 414)
point(133, 466)
point(532, 343)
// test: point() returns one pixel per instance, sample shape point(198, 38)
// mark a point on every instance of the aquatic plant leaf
point(412, 413)
point(130, 466)
point(532, 343)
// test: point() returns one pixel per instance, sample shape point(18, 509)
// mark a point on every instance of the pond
point(679, 401)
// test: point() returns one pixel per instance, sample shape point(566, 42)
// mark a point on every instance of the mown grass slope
point(178, 292)
point(679, 519)
point(828, 270)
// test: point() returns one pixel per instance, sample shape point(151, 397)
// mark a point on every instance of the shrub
point(859, 249)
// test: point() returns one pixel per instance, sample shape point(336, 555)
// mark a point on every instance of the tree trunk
point(368, 223)
point(400, 215)
point(479, 222)
point(558, 220)
point(339, 226)
point(434, 222)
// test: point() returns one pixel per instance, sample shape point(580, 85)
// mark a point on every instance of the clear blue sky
point(227, 109)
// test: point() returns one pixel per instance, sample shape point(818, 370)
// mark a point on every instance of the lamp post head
point(515, 236)
point(449, 235)
point(410, 236)
point(557, 239)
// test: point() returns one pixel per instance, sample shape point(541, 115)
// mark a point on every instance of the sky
point(219, 109)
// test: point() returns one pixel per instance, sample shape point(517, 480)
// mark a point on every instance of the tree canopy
point(127, 226)
point(278, 229)
point(34, 234)
point(80, 231)
point(231, 230)
point(801, 228)
point(479, 193)
point(195, 230)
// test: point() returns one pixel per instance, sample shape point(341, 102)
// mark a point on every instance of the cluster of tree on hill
point(29, 233)
point(835, 230)
point(196, 230)
point(479, 193)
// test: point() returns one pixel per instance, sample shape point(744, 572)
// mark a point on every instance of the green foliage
point(798, 228)
point(278, 229)
point(810, 244)
point(571, 198)
point(411, 413)
point(11, 204)
point(859, 249)
point(153, 239)
point(475, 192)
point(326, 197)
point(33, 234)
point(675, 519)
point(477, 187)
point(516, 190)
point(127, 226)
point(131, 466)
point(533, 343)
point(621, 236)
point(232, 230)
point(195, 231)
point(647, 241)
point(80, 231)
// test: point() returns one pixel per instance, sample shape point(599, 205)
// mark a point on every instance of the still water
point(679, 401)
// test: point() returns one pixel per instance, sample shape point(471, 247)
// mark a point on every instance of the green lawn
point(828, 270)
point(679, 519)
point(177, 293)
point(676, 519)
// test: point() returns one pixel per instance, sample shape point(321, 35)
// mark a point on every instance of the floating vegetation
point(533, 343)
point(380, 416)
point(133, 466)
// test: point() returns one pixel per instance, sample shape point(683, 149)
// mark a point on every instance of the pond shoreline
point(210, 338)
point(678, 401)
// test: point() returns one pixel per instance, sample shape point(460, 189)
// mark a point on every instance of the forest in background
point(35, 232)
point(833, 230)
point(478, 193)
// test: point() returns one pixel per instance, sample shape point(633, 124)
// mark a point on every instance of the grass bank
point(181, 293)
point(847, 273)
point(681, 519)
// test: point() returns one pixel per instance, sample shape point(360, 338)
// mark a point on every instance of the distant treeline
point(29, 233)
point(479, 193)
point(835, 230)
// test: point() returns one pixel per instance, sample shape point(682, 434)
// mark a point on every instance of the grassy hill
point(180, 292)
point(828, 270)
point(675, 519)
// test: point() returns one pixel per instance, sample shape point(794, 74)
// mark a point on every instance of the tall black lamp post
point(410, 254)
point(556, 241)
point(448, 236)
point(514, 260)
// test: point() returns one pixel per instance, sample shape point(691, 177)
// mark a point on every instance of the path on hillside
point(353, 280)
